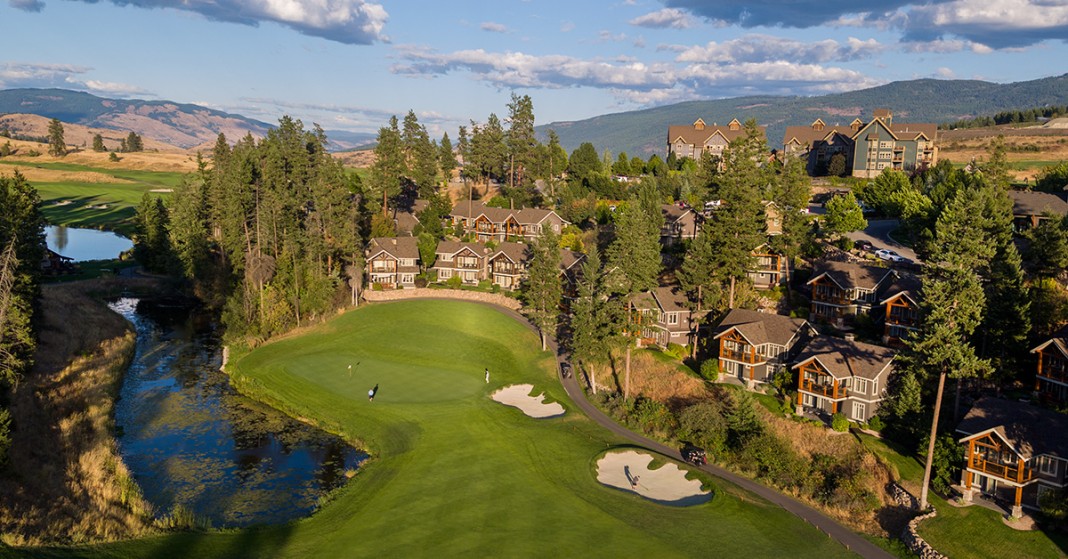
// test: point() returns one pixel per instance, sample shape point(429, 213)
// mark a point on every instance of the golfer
point(487, 375)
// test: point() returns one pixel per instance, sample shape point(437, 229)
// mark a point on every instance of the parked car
point(694, 455)
point(565, 369)
point(863, 245)
point(890, 256)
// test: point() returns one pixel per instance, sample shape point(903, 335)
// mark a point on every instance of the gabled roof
point(397, 247)
point(516, 252)
point(569, 259)
point(500, 215)
point(848, 275)
point(844, 358)
point(760, 328)
point(674, 212)
point(909, 287)
point(699, 133)
point(670, 299)
point(1026, 202)
point(455, 247)
point(808, 135)
point(1031, 430)
point(1060, 343)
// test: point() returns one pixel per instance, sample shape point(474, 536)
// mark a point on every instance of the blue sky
point(350, 64)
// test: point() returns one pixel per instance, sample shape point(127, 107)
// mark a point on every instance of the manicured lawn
point(455, 474)
point(978, 532)
point(120, 197)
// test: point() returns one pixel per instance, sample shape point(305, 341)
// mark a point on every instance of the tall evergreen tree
point(98, 143)
point(389, 165)
point(634, 256)
point(543, 287)
point(421, 159)
point(446, 158)
point(596, 318)
point(56, 146)
point(520, 139)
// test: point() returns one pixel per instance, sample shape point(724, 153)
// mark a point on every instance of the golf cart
point(694, 455)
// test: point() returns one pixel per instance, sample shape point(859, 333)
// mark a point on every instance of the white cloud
point(493, 27)
point(345, 21)
point(667, 18)
point(945, 73)
point(567, 27)
point(762, 48)
point(998, 24)
point(111, 89)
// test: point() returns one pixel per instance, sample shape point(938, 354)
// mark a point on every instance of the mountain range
point(641, 132)
point(178, 124)
point(644, 132)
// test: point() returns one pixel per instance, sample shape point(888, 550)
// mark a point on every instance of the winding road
point(878, 234)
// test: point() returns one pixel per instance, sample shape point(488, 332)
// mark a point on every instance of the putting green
point(454, 473)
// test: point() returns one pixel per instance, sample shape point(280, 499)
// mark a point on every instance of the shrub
point(376, 286)
point(844, 243)
point(496, 288)
point(113, 158)
point(33, 153)
point(710, 369)
point(675, 350)
point(876, 423)
point(839, 423)
point(454, 282)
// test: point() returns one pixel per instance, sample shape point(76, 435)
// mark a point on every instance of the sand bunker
point(666, 485)
point(518, 395)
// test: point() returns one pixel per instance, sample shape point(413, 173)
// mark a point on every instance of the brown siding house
point(755, 346)
point(488, 223)
point(694, 140)
point(393, 262)
point(660, 317)
point(1031, 208)
point(836, 375)
point(841, 289)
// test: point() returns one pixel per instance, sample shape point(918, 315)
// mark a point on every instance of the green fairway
point(86, 198)
point(454, 473)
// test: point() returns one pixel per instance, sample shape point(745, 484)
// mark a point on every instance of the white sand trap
point(162, 190)
point(667, 484)
point(518, 395)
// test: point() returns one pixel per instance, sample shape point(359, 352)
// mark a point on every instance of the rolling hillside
point(644, 132)
point(177, 124)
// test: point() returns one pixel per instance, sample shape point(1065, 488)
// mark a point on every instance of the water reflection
point(85, 244)
point(191, 439)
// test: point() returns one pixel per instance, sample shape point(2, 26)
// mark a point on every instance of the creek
point(192, 441)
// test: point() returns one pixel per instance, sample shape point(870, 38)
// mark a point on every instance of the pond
point(191, 440)
point(85, 244)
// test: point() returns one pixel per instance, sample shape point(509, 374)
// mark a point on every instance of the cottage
point(680, 223)
point(1016, 452)
point(660, 316)
point(755, 346)
point(393, 262)
point(467, 261)
point(488, 223)
point(841, 289)
point(836, 375)
point(508, 265)
point(1031, 208)
point(769, 267)
point(901, 316)
point(1051, 376)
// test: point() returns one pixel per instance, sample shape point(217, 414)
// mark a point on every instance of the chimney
point(394, 240)
point(850, 337)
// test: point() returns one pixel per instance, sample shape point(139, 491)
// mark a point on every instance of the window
point(860, 385)
point(772, 350)
point(1047, 465)
point(672, 318)
point(859, 411)
point(407, 278)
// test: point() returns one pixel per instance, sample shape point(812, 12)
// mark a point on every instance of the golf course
point(454, 473)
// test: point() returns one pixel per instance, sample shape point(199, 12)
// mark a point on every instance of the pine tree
point(634, 255)
point(521, 141)
point(446, 158)
point(543, 287)
point(596, 318)
point(389, 164)
point(56, 145)
point(98, 143)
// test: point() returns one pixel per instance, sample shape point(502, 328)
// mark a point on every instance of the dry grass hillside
point(1029, 149)
point(172, 160)
point(76, 135)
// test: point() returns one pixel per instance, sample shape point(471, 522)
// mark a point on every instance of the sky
point(351, 64)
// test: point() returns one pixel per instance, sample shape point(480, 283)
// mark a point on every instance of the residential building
point(901, 316)
point(467, 261)
point(1030, 208)
point(508, 265)
point(769, 267)
point(841, 289)
point(772, 219)
point(406, 218)
point(500, 224)
point(755, 346)
point(867, 147)
point(393, 262)
point(1051, 374)
point(697, 139)
point(836, 375)
point(660, 316)
point(1016, 452)
point(571, 271)
point(680, 223)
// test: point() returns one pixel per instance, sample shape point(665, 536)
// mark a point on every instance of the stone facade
point(426, 293)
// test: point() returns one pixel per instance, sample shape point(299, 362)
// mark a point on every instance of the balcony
point(824, 390)
point(1003, 471)
point(831, 298)
point(745, 356)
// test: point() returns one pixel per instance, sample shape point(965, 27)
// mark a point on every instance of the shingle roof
point(843, 358)
point(569, 259)
point(517, 252)
point(691, 135)
point(452, 247)
point(808, 134)
point(499, 215)
point(1031, 430)
point(673, 212)
point(904, 285)
point(397, 247)
point(852, 275)
point(670, 299)
point(760, 328)
point(1026, 202)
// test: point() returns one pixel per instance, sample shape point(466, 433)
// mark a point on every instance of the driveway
point(878, 234)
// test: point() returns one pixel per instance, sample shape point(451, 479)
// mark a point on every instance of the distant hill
point(644, 132)
point(177, 124)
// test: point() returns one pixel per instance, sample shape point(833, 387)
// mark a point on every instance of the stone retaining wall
point(426, 293)
point(915, 543)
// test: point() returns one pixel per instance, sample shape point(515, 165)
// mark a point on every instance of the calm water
point(191, 439)
point(85, 244)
